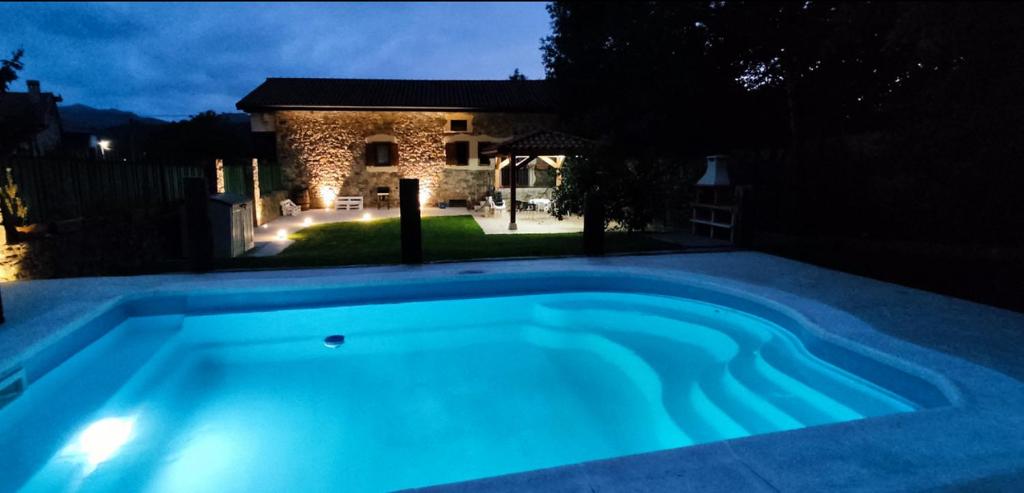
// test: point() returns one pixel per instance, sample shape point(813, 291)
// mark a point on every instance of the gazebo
point(547, 145)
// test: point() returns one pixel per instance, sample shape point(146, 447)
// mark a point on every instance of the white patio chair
point(289, 208)
point(495, 208)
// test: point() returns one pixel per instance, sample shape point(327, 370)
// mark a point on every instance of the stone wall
point(270, 205)
point(134, 242)
point(464, 184)
point(324, 151)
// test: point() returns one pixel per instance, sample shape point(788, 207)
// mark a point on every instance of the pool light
point(366, 216)
point(307, 221)
point(282, 234)
point(99, 441)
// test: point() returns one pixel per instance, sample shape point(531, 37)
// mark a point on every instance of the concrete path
point(532, 222)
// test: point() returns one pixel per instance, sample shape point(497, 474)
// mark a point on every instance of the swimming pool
point(436, 382)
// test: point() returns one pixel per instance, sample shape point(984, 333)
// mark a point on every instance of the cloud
point(175, 60)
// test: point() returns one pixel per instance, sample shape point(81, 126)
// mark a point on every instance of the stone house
point(347, 137)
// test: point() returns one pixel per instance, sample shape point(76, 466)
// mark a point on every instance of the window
point(456, 153)
point(381, 154)
point(458, 125)
point(482, 148)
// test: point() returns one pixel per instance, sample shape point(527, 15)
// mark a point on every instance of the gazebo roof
point(543, 143)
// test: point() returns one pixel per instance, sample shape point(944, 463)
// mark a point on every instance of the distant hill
point(82, 118)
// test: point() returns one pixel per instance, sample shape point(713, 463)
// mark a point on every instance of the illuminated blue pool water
point(423, 392)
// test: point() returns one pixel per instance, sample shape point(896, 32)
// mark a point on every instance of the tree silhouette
point(206, 135)
point(9, 69)
point(880, 119)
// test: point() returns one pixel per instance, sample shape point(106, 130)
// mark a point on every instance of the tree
point(877, 98)
point(11, 208)
point(896, 119)
point(10, 131)
point(640, 77)
point(517, 75)
point(9, 69)
point(207, 135)
point(12, 201)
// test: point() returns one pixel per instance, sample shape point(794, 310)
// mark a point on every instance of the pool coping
point(982, 431)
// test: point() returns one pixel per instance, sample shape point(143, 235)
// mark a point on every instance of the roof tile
point(480, 95)
point(545, 142)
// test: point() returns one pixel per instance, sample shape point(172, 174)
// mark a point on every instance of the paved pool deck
point(974, 444)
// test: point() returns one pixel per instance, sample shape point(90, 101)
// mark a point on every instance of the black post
point(593, 224)
point(412, 234)
point(199, 237)
point(513, 174)
point(745, 217)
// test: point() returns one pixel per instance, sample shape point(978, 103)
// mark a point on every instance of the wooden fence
point(58, 189)
point(270, 176)
point(238, 176)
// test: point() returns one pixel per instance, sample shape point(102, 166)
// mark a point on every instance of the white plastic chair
point(289, 208)
point(495, 208)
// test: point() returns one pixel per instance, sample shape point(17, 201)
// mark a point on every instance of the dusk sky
point(174, 60)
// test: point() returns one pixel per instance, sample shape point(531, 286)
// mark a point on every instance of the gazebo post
point(512, 175)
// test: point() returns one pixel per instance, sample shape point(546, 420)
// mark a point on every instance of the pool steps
point(714, 408)
point(643, 376)
point(723, 399)
point(785, 351)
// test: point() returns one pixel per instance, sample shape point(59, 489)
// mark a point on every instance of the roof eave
point(537, 151)
point(257, 108)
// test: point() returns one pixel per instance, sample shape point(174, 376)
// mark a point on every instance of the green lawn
point(444, 238)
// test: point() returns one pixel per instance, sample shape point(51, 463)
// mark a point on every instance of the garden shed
point(231, 223)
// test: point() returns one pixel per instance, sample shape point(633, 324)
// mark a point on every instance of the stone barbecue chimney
point(33, 89)
point(717, 173)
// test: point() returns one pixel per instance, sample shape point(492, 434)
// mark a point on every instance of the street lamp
point(104, 146)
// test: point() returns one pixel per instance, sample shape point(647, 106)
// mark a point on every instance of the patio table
point(541, 204)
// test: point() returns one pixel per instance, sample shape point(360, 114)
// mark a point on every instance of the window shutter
point(449, 154)
point(394, 154)
point(371, 155)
